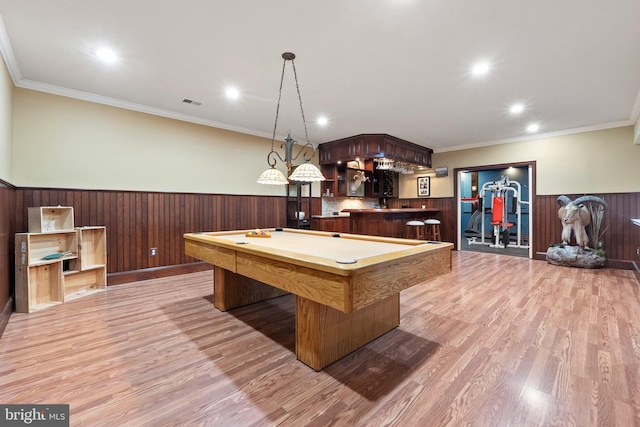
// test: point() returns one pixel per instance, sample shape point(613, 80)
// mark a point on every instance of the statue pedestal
point(574, 256)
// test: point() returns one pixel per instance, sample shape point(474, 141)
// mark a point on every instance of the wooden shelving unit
point(58, 262)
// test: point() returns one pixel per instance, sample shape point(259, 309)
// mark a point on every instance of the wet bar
point(387, 222)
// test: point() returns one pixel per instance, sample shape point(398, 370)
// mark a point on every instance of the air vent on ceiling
point(191, 101)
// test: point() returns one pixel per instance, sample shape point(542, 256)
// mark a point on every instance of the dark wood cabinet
point(337, 224)
point(335, 153)
point(335, 179)
point(379, 184)
point(423, 156)
point(411, 154)
point(334, 156)
point(372, 146)
point(355, 148)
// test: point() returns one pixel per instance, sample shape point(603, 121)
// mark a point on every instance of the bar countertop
point(340, 215)
point(389, 222)
point(392, 210)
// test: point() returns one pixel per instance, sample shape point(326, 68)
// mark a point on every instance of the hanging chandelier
point(306, 172)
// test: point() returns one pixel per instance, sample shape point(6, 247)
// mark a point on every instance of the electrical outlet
point(154, 251)
point(637, 251)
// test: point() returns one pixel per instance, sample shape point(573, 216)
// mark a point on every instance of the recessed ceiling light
point(232, 93)
point(106, 54)
point(480, 68)
point(322, 121)
point(533, 127)
point(516, 109)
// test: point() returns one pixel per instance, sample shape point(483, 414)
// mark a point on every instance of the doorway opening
point(494, 209)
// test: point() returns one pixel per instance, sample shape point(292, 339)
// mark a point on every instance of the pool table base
point(231, 290)
point(323, 334)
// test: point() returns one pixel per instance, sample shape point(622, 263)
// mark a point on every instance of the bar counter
point(386, 222)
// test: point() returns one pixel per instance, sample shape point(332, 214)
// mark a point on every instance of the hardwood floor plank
point(498, 341)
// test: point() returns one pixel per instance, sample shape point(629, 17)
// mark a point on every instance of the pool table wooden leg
point(324, 334)
point(231, 290)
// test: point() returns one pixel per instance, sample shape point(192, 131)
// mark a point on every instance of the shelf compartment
point(49, 219)
point(42, 286)
point(80, 283)
point(92, 247)
point(32, 248)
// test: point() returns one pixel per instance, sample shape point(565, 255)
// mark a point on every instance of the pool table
point(347, 286)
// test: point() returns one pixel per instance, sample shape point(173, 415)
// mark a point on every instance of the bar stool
point(419, 228)
point(433, 229)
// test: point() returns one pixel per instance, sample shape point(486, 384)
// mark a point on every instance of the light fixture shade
point(272, 176)
point(307, 172)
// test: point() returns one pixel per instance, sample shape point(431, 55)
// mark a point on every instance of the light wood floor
point(500, 341)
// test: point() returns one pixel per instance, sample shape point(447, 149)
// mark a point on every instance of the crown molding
point(9, 56)
point(16, 76)
point(532, 137)
point(118, 103)
point(635, 111)
point(6, 50)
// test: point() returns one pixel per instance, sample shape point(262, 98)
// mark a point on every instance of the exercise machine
point(496, 194)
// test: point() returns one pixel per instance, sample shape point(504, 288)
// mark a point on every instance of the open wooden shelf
point(50, 219)
point(81, 268)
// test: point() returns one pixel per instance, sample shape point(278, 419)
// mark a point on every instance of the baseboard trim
point(5, 314)
point(609, 263)
point(156, 273)
point(619, 263)
point(174, 270)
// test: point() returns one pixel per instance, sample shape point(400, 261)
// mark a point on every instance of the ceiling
point(400, 67)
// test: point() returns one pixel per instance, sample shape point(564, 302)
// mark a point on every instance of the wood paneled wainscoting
point(621, 238)
point(7, 231)
point(137, 221)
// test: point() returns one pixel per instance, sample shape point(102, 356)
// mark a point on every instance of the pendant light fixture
point(306, 172)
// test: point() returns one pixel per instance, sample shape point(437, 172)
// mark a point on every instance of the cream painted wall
point(636, 132)
point(6, 124)
point(604, 161)
point(60, 142)
point(66, 143)
point(409, 185)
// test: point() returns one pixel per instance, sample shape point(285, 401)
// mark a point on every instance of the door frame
point(457, 173)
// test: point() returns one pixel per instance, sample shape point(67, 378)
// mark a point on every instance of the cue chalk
point(242, 243)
